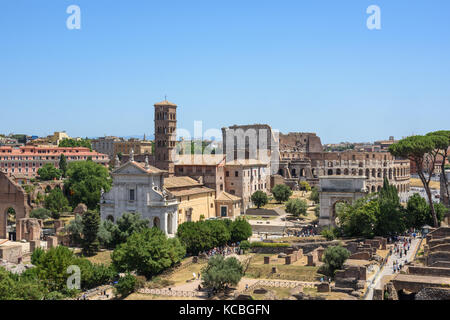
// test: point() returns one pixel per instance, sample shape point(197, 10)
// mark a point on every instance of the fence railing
point(172, 293)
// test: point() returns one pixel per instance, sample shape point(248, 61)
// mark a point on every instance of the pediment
point(130, 168)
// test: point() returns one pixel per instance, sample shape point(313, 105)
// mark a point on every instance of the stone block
point(52, 242)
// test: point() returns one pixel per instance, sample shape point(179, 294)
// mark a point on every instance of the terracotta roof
point(199, 160)
point(166, 103)
point(180, 182)
point(150, 169)
point(190, 191)
point(225, 196)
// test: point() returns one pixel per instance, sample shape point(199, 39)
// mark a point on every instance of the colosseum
point(302, 158)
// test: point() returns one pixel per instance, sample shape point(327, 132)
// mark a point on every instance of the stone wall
point(12, 196)
point(11, 253)
point(429, 271)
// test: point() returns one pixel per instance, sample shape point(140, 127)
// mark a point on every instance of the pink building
point(27, 160)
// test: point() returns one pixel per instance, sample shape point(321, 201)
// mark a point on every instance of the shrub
point(297, 207)
point(281, 193)
point(334, 258)
point(259, 198)
point(221, 272)
point(126, 285)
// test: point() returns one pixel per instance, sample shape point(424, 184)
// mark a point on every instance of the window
point(132, 198)
point(236, 173)
point(227, 174)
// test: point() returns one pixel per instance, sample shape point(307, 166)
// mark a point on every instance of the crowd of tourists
point(224, 250)
point(400, 250)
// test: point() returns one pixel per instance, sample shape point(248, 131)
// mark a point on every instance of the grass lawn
point(284, 272)
point(103, 257)
point(280, 293)
point(180, 277)
point(328, 295)
point(417, 183)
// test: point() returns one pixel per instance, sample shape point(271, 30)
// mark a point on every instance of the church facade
point(139, 187)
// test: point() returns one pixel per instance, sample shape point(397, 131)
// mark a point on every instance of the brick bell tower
point(165, 135)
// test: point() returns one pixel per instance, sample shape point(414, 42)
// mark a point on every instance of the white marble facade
point(139, 188)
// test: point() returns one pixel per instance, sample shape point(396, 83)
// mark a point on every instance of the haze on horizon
point(297, 66)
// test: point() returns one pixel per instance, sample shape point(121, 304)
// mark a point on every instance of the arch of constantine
point(336, 189)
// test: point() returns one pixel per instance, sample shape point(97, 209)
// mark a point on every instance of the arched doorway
point(10, 223)
point(110, 218)
point(156, 223)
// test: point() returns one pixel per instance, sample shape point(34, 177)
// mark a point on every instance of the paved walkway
point(388, 268)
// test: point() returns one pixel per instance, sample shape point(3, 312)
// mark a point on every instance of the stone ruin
point(29, 228)
point(289, 257)
point(366, 250)
point(351, 280)
point(431, 280)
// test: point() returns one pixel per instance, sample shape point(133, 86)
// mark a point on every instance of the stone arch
point(361, 172)
point(367, 174)
point(345, 172)
point(334, 190)
point(330, 172)
point(379, 175)
point(338, 172)
point(302, 172)
point(374, 174)
point(157, 222)
point(110, 218)
point(378, 188)
point(12, 196)
point(390, 174)
point(372, 189)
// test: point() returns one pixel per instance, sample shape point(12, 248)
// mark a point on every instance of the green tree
point(127, 224)
point(418, 212)
point(72, 143)
point(148, 252)
point(259, 198)
point(85, 182)
point(40, 213)
point(423, 151)
point(106, 232)
point(52, 268)
point(91, 222)
point(49, 172)
point(297, 207)
point(126, 285)
point(240, 230)
point(75, 230)
point(305, 186)
point(442, 151)
point(391, 217)
point(244, 245)
point(56, 202)
point(203, 235)
point(63, 164)
point(281, 193)
point(334, 258)
point(221, 272)
point(328, 233)
point(314, 196)
point(359, 219)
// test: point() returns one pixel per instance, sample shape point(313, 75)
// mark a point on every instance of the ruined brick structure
point(302, 158)
point(12, 196)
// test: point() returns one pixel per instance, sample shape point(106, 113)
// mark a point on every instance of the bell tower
point(165, 135)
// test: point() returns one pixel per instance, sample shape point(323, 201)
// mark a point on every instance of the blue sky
point(310, 66)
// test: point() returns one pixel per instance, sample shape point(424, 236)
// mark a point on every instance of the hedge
point(269, 245)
